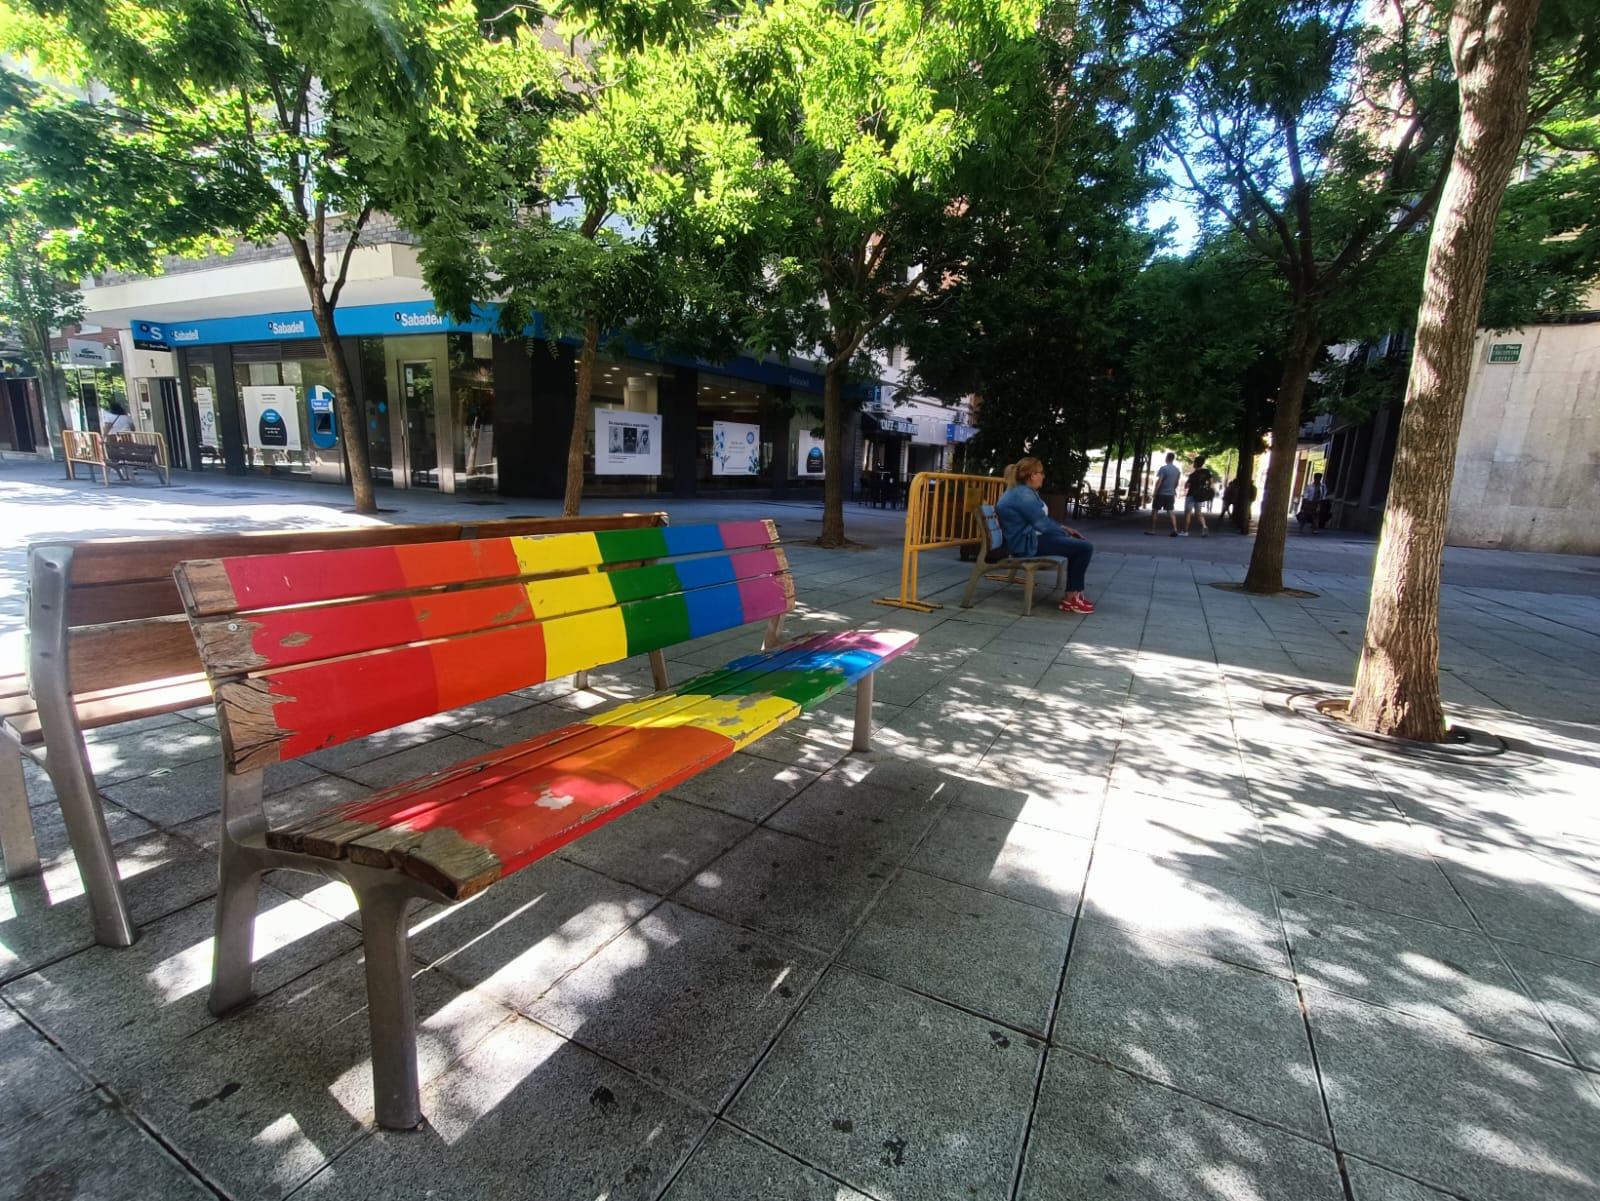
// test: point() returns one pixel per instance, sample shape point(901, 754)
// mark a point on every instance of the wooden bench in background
point(125, 452)
point(989, 531)
point(108, 643)
point(307, 651)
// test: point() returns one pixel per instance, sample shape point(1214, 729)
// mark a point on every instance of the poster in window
point(735, 448)
point(809, 459)
point(272, 417)
point(627, 443)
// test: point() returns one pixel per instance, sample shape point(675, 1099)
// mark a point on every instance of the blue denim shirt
point(1022, 517)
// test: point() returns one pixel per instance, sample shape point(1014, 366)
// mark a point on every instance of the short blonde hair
point(1026, 468)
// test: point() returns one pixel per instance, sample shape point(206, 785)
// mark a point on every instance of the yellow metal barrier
point(941, 510)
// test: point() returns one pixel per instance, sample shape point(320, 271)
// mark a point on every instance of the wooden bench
point(108, 642)
point(311, 650)
point(138, 450)
point(989, 532)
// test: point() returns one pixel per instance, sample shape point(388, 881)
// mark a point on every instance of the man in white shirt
point(119, 421)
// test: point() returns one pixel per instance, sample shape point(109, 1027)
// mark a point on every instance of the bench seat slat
point(460, 831)
point(324, 834)
point(113, 706)
point(464, 827)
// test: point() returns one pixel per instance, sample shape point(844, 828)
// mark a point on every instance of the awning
point(889, 427)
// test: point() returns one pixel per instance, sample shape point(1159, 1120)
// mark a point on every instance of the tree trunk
point(587, 356)
point(1243, 475)
point(833, 448)
point(1266, 557)
point(351, 420)
point(1397, 682)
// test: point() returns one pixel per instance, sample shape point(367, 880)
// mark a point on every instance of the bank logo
point(429, 320)
point(287, 327)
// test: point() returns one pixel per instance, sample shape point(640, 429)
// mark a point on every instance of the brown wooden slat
point(123, 560)
point(103, 603)
point(131, 652)
point(111, 707)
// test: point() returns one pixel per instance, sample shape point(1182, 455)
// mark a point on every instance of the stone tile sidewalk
point(1092, 920)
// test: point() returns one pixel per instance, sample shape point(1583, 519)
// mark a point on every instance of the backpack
point(1200, 484)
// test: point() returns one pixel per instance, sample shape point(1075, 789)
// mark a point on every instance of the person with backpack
point(1314, 506)
point(1166, 494)
point(1201, 490)
point(1028, 531)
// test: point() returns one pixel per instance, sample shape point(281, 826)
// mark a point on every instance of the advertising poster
point(272, 417)
point(627, 443)
point(735, 448)
point(809, 459)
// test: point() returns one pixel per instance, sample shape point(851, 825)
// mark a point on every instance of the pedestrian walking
point(1200, 491)
point(1028, 531)
point(1166, 494)
point(1313, 501)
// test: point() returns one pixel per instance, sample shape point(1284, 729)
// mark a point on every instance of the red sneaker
point(1081, 605)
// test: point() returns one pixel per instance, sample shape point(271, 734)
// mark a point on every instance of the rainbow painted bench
point(305, 651)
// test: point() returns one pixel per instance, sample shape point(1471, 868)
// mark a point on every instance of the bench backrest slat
point(247, 642)
point(315, 659)
point(270, 581)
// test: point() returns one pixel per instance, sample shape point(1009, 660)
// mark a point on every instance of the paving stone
point(1433, 972)
point(157, 987)
point(39, 1075)
point(659, 845)
point(262, 1100)
point(979, 951)
point(1099, 1132)
point(1227, 1034)
point(1219, 835)
point(1027, 863)
point(91, 1151)
point(1066, 806)
point(525, 1114)
point(728, 1166)
point(522, 724)
point(745, 786)
point(683, 999)
point(139, 725)
point(1526, 899)
point(1381, 866)
point(1433, 1102)
point(43, 918)
point(895, 1094)
point(521, 936)
point(50, 831)
point(170, 796)
point(1569, 992)
point(131, 754)
point(387, 742)
point(873, 804)
point(416, 761)
point(1189, 903)
point(1371, 1183)
point(790, 887)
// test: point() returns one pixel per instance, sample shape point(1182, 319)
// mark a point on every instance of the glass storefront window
point(635, 386)
point(739, 402)
point(472, 409)
point(375, 390)
point(202, 382)
point(277, 429)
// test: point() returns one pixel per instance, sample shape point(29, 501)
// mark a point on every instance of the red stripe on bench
point(534, 813)
point(265, 581)
point(336, 701)
point(285, 637)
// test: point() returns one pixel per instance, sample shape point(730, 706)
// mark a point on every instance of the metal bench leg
point(17, 845)
point(658, 670)
point(238, 890)
point(390, 1007)
point(863, 737)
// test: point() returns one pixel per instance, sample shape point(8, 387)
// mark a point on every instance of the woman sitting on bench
point(1029, 531)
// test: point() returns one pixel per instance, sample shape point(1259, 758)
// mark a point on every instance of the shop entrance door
point(419, 404)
